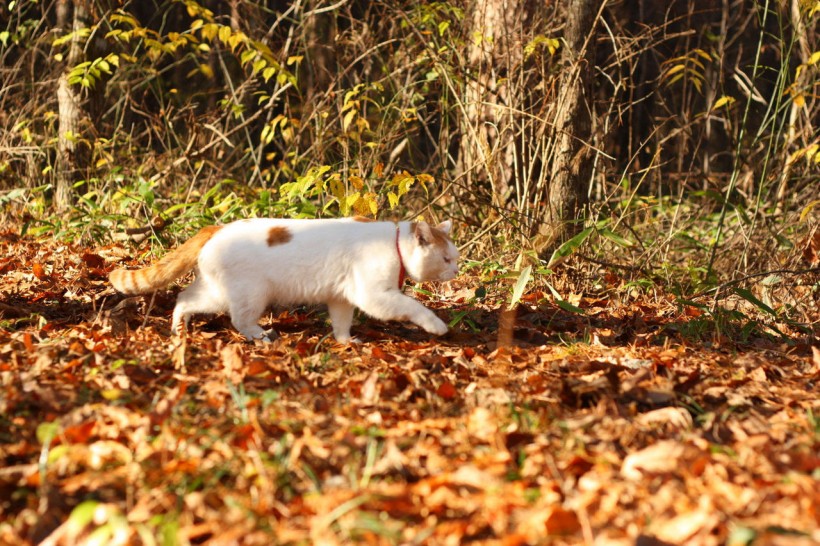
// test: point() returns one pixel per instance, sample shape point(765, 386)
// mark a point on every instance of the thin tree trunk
point(571, 166)
point(321, 67)
point(70, 111)
point(487, 147)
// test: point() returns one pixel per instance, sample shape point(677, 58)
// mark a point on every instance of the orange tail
point(165, 271)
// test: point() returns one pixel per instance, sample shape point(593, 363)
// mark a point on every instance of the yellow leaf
point(268, 72)
point(206, 70)
point(794, 156)
point(209, 31)
point(799, 100)
point(724, 100)
point(357, 182)
point(337, 189)
point(348, 119)
point(236, 40)
point(425, 178)
point(815, 57)
point(258, 65)
point(805, 212)
point(703, 54)
point(224, 34)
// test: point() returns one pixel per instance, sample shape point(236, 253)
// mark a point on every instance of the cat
point(244, 266)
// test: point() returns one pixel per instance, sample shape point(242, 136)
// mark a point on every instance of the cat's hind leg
point(341, 318)
point(198, 298)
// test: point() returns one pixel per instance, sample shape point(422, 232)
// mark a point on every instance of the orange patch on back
point(363, 219)
point(278, 235)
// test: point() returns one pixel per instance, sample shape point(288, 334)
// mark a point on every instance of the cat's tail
point(167, 270)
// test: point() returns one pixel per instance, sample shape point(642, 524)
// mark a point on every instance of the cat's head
point(434, 256)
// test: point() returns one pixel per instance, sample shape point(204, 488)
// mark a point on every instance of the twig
point(752, 276)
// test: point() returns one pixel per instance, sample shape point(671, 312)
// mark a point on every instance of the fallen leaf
point(446, 390)
point(562, 522)
point(677, 417)
point(684, 527)
point(659, 458)
point(232, 364)
point(39, 271)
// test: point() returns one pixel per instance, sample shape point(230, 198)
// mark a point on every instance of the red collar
point(402, 270)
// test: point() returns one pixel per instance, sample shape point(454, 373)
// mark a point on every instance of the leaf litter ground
point(609, 428)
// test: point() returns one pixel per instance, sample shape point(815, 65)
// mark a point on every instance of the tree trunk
point(571, 166)
point(487, 149)
point(68, 102)
point(320, 68)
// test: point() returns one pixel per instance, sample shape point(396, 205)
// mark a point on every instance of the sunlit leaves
point(539, 42)
point(722, 101)
point(569, 246)
point(79, 34)
point(87, 74)
point(688, 68)
point(520, 286)
point(381, 436)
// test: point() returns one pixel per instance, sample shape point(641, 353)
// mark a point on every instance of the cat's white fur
point(342, 263)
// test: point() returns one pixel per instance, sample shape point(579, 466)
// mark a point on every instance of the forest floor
point(632, 423)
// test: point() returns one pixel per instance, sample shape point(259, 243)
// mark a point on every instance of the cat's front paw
point(435, 326)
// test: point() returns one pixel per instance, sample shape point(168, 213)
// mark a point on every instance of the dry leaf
point(232, 364)
point(677, 417)
point(659, 458)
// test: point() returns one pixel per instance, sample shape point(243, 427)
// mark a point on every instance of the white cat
point(244, 266)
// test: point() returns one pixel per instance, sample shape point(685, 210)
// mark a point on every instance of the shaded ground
point(609, 428)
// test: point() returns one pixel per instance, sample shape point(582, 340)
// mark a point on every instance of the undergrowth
point(704, 146)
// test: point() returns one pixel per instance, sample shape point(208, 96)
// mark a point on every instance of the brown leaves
point(638, 435)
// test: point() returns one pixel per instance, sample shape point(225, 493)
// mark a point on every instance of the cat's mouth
point(448, 276)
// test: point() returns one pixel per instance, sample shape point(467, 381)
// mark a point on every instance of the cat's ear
point(423, 233)
point(445, 226)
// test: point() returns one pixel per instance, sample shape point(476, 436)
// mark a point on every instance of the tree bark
point(486, 149)
point(67, 169)
point(571, 166)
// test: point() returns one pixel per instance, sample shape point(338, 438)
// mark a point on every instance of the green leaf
point(615, 238)
point(564, 304)
point(258, 65)
point(741, 536)
point(268, 73)
point(46, 432)
point(520, 285)
point(567, 306)
point(82, 515)
point(569, 247)
point(748, 296)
